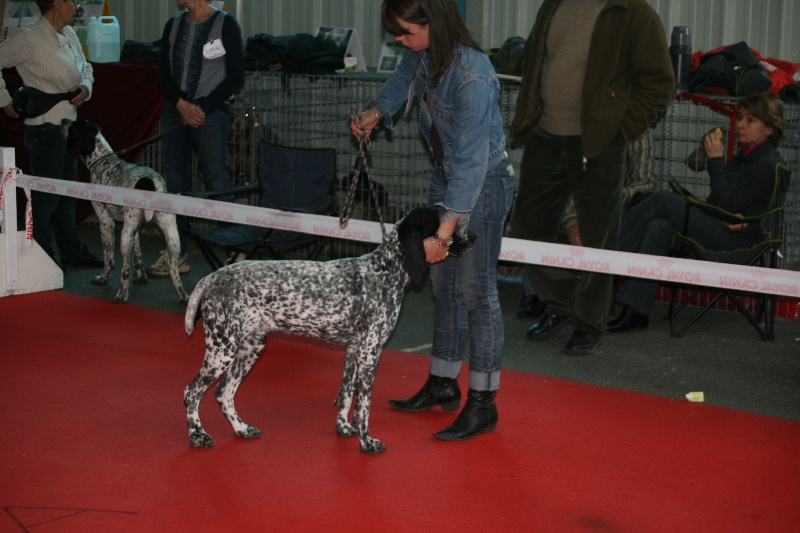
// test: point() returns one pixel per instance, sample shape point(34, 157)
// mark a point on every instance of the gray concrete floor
point(722, 355)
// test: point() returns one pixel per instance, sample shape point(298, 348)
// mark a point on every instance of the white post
point(24, 266)
point(9, 224)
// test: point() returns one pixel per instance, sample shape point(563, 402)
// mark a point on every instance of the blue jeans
point(466, 301)
point(209, 142)
point(47, 153)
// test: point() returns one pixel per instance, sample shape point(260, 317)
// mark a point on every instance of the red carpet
point(94, 438)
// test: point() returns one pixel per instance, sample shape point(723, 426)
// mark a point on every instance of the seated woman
point(745, 187)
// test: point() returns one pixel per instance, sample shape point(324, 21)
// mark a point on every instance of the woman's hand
point(365, 123)
point(712, 143)
point(435, 251)
point(80, 98)
point(9, 110)
point(192, 114)
point(736, 227)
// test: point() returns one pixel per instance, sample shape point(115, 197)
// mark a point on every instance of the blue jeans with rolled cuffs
point(209, 143)
point(47, 154)
point(466, 302)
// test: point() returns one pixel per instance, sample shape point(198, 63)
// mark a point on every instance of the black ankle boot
point(478, 416)
point(436, 391)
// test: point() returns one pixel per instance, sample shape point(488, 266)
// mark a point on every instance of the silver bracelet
point(444, 242)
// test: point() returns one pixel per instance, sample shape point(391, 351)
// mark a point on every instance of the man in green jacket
point(597, 73)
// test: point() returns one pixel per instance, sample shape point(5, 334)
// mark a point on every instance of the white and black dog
point(353, 301)
point(105, 168)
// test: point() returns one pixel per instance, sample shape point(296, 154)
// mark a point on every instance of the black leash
point(361, 165)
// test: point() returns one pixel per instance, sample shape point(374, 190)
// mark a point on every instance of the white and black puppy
point(353, 302)
point(106, 168)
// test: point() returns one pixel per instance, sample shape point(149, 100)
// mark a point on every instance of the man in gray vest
point(201, 67)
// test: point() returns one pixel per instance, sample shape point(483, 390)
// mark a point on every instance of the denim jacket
point(464, 107)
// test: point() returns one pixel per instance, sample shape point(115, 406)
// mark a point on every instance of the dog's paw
point(250, 432)
point(121, 297)
point(345, 429)
point(99, 280)
point(372, 446)
point(201, 439)
point(141, 280)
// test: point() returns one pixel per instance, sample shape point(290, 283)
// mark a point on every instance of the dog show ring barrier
point(27, 268)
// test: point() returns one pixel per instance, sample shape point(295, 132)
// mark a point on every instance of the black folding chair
point(765, 254)
point(299, 180)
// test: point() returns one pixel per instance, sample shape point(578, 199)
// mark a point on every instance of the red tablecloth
point(126, 103)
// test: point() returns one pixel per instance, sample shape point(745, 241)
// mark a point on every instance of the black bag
point(306, 54)
point(263, 51)
point(140, 52)
point(29, 102)
point(735, 69)
point(508, 59)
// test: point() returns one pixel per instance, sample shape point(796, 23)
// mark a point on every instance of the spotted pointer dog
point(353, 302)
point(105, 168)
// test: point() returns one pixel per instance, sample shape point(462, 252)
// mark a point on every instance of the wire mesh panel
point(313, 111)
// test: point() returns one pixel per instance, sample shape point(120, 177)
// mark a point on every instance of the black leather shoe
point(548, 325)
point(531, 307)
point(478, 416)
point(85, 258)
point(627, 320)
point(436, 391)
point(581, 343)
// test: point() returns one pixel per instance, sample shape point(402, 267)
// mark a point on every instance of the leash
point(361, 165)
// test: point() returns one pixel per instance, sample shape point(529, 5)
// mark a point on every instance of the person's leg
point(477, 273)
point(177, 145)
point(598, 201)
point(65, 221)
point(450, 330)
point(542, 197)
point(210, 143)
point(45, 162)
point(666, 215)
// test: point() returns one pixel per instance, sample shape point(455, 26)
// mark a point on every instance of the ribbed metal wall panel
point(769, 26)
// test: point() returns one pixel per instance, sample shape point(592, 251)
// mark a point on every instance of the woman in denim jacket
point(472, 184)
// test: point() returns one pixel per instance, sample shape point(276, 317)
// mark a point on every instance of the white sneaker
point(160, 269)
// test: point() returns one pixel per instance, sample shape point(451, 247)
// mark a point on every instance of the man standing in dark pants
point(597, 73)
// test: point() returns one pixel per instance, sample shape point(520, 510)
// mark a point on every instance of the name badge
point(213, 49)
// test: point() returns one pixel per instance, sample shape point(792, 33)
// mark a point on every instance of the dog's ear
point(460, 246)
point(82, 137)
point(420, 223)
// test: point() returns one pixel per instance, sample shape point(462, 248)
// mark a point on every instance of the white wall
point(766, 25)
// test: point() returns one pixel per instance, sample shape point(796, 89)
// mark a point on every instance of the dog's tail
point(194, 303)
point(148, 184)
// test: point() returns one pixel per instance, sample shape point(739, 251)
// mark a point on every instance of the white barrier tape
point(692, 272)
point(357, 230)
